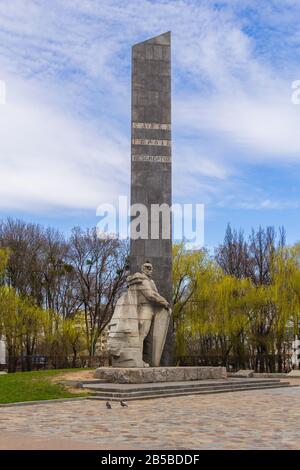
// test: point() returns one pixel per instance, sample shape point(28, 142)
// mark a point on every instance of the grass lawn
point(30, 386)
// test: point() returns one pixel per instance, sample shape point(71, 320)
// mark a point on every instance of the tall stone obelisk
point(151, 164)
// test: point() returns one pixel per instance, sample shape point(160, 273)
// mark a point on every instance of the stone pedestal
point(295, 373)
point(158, 374)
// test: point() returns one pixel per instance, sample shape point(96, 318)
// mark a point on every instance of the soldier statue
point(136, 310)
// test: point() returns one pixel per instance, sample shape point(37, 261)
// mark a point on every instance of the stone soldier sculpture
point(134, 313)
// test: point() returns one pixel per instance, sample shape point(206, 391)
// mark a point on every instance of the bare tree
point(100, 270)
point(233, 255)
point(24, 269)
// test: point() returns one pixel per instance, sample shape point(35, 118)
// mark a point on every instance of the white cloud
point(265, 127)
point(65, 130)
point(50, 160)
point(267, 204)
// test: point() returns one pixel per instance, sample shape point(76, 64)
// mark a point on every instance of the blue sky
point(65, 128)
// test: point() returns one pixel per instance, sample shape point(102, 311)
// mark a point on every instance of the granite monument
point(151, 166)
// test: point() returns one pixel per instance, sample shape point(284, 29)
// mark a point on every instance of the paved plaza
point(241, 420)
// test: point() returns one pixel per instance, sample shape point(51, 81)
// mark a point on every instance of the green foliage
point(4, 254)
point(29, 329)
point(218, 313)
point(57, 281)
point(57, 296)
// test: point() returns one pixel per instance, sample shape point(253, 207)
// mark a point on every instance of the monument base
point(158, 374)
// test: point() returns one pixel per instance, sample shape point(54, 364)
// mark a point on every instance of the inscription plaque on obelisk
point(151, 165)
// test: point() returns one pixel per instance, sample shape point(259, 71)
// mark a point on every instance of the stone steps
point(176, 394)
point(111, 387)
point(108, 392)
